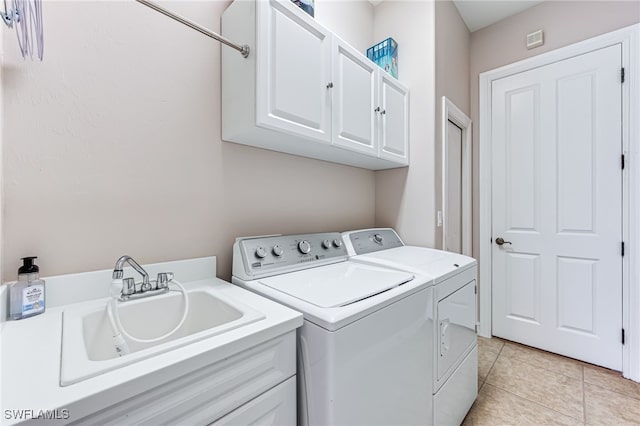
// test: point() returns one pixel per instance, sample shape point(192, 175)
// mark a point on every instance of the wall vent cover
point(535, 39)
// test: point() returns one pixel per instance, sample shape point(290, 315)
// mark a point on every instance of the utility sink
point(87, 340)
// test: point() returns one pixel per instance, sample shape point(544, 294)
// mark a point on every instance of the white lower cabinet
point(252, 386)
point(275, 407)
point(304, 91)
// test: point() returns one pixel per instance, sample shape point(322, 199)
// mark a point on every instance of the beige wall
point(352, 20)
point(452, 79)
point(405, 198)
point(112, 146)
point(563, 23)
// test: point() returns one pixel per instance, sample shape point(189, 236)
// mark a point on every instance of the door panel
point(523, 274)
point(394, 117)
point(576, 298)
point(557, 201)
point(576, 149)
point(293, 67)
point(522, 106)
point(354, 99)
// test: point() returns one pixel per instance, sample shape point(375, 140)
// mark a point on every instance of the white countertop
point(31, 355)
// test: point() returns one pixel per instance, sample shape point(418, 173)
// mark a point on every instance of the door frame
point(629, 39)
point(450, 112)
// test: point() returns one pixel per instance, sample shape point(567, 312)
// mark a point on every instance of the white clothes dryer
point(364, 351)
point(455, 357)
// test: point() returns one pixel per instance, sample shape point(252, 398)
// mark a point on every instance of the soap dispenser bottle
point(27, 295)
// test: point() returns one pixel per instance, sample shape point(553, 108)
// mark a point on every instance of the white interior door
point(557, 201)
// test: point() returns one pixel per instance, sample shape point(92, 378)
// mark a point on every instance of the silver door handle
point(500, 241)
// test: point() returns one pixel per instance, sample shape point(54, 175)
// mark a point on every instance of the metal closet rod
point(244, 49)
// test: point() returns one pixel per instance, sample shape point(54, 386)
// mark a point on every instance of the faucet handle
point(145, 286)
point(163, 280)
point(128, 286)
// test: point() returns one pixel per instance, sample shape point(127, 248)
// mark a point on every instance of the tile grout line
point(527, 399)
point(524, 361)
point(484, 380)
point(626, 395)
point(533, 402)
point(607, 388)
point(493, 364)
point(543, 368)
point(584, 398)
point(582, 367)
point(547, 369)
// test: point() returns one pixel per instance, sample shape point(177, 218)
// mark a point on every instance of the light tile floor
point(519, 385)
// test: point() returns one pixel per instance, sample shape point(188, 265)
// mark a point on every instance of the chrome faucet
point(118, 274)
point(129, 290)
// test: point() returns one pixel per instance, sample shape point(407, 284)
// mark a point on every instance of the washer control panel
point(371, 240)
point(270, 255)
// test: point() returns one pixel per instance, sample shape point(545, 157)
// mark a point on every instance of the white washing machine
point(364, 351)
point(455, 358)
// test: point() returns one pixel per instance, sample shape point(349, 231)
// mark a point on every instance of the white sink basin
point(87, 341)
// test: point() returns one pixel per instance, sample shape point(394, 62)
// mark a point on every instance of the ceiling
point(478, 14)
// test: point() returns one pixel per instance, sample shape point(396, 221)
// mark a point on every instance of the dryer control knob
point(277, 250)
point(261, 253)
point(326, 244)
point(304, 247)
point(377, 238)
point(337, 243)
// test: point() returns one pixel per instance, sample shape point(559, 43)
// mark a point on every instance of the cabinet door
point(293, 59)
point(394, 117)
point(354, 95)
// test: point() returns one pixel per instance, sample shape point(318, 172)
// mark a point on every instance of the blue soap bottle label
point(33, 299)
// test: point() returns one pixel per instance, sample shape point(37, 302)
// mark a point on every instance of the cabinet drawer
point(274, 407)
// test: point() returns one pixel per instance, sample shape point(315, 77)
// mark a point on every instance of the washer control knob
point(277, 250)
point(261, 253)
point(304, 247)
point(337, 243)
point(377, 238)
point(326, 244)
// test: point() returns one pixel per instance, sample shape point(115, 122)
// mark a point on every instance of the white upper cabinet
point(355, 99)
point(304, 91)
point(394, 114)
point(293, 72)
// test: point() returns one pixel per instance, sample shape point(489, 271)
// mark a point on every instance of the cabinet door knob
point(329, 85)
point(377, 109)
point(384, 111)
